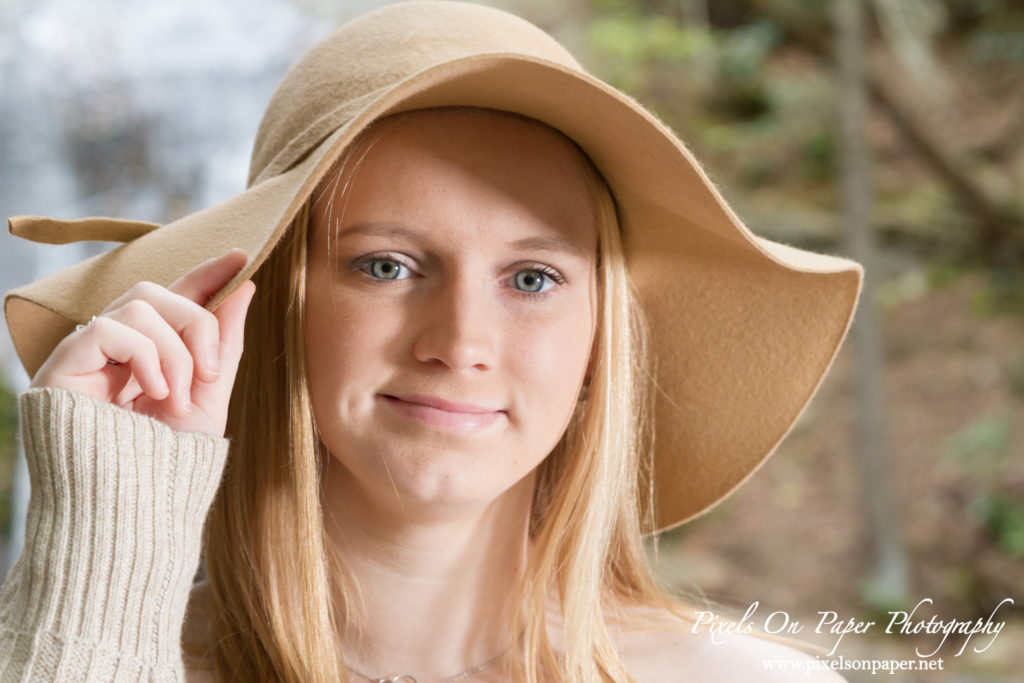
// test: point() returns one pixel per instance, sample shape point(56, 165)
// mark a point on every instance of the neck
point(432, 588)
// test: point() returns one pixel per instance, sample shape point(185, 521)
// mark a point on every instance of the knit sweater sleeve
point(112, 541)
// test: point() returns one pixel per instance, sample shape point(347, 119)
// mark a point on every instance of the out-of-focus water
point(134, 110)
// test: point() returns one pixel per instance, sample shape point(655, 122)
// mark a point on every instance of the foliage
point(998, 44)
point(740, 90)
point(615, 6)
point(945, 271)
point(1003, 294)
point(1003, 517)
point(630, 44)
point(982, 450)
point(759, 107)
point(1017, 374)
point(819, 153)
point(981, 446)
point(633, 44)
point(8, 452)
point(720, 87)
point(637, 38)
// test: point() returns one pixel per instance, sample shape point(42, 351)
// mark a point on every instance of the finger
point(209, 277)
point(197, 327)
point(113, 340)
point(130, 391)
point(176, 358)
point(231, 314)
point(196, 286)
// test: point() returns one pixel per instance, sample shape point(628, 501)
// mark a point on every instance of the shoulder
point(671, 652)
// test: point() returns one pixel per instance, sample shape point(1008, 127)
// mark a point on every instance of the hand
point(175, 360)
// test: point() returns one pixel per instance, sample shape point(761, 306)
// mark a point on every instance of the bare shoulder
point(672, 652)
point(197, 635)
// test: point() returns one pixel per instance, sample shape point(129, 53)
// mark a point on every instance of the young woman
point(466, 267)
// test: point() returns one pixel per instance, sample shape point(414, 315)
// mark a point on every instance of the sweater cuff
point(112, 540)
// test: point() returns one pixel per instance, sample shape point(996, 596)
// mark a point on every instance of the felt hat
point(743, 329)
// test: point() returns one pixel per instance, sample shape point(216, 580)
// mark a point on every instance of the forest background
point(903, 481)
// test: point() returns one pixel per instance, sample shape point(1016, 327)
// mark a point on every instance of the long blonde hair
point(272, 574)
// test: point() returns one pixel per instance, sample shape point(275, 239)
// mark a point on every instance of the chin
point(437, 475)
point(440, 476)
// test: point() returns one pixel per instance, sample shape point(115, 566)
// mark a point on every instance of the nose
point(458, 326)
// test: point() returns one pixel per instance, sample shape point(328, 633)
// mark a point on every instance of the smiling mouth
point(445, 416)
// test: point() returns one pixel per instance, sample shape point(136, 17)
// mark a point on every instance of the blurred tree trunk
point(889, 584)
point(1000, 228)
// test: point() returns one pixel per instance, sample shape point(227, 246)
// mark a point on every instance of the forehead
point(482, 164)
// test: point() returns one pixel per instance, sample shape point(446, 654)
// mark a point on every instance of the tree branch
point(1000, 232)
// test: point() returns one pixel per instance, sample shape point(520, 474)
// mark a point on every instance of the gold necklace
point(409, 678)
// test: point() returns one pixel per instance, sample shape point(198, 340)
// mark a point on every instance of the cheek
point(347, 346)
point(552, 359)
point(329, 341)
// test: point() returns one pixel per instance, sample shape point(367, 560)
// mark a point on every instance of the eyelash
point(550, 272)
point(361, 263)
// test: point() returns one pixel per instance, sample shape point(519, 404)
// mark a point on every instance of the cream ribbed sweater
point(112, 541)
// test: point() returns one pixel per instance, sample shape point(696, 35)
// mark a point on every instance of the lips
point(443, 415)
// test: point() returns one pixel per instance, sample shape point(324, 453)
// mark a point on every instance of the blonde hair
point(273, 576)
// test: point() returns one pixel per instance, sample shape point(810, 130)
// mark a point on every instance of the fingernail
point(211, 360)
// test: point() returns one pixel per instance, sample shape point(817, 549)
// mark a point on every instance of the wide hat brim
point(743, 329)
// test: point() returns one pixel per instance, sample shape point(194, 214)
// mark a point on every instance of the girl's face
point(450, 319)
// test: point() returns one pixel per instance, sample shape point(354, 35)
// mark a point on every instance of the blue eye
point(533, 281)
point(385, 269)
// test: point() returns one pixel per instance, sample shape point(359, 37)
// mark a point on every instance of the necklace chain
point(409, 678)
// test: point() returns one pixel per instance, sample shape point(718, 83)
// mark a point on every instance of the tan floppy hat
point(743, 329)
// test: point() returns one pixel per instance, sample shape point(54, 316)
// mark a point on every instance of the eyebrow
point(378, 229)
point(556, 243)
